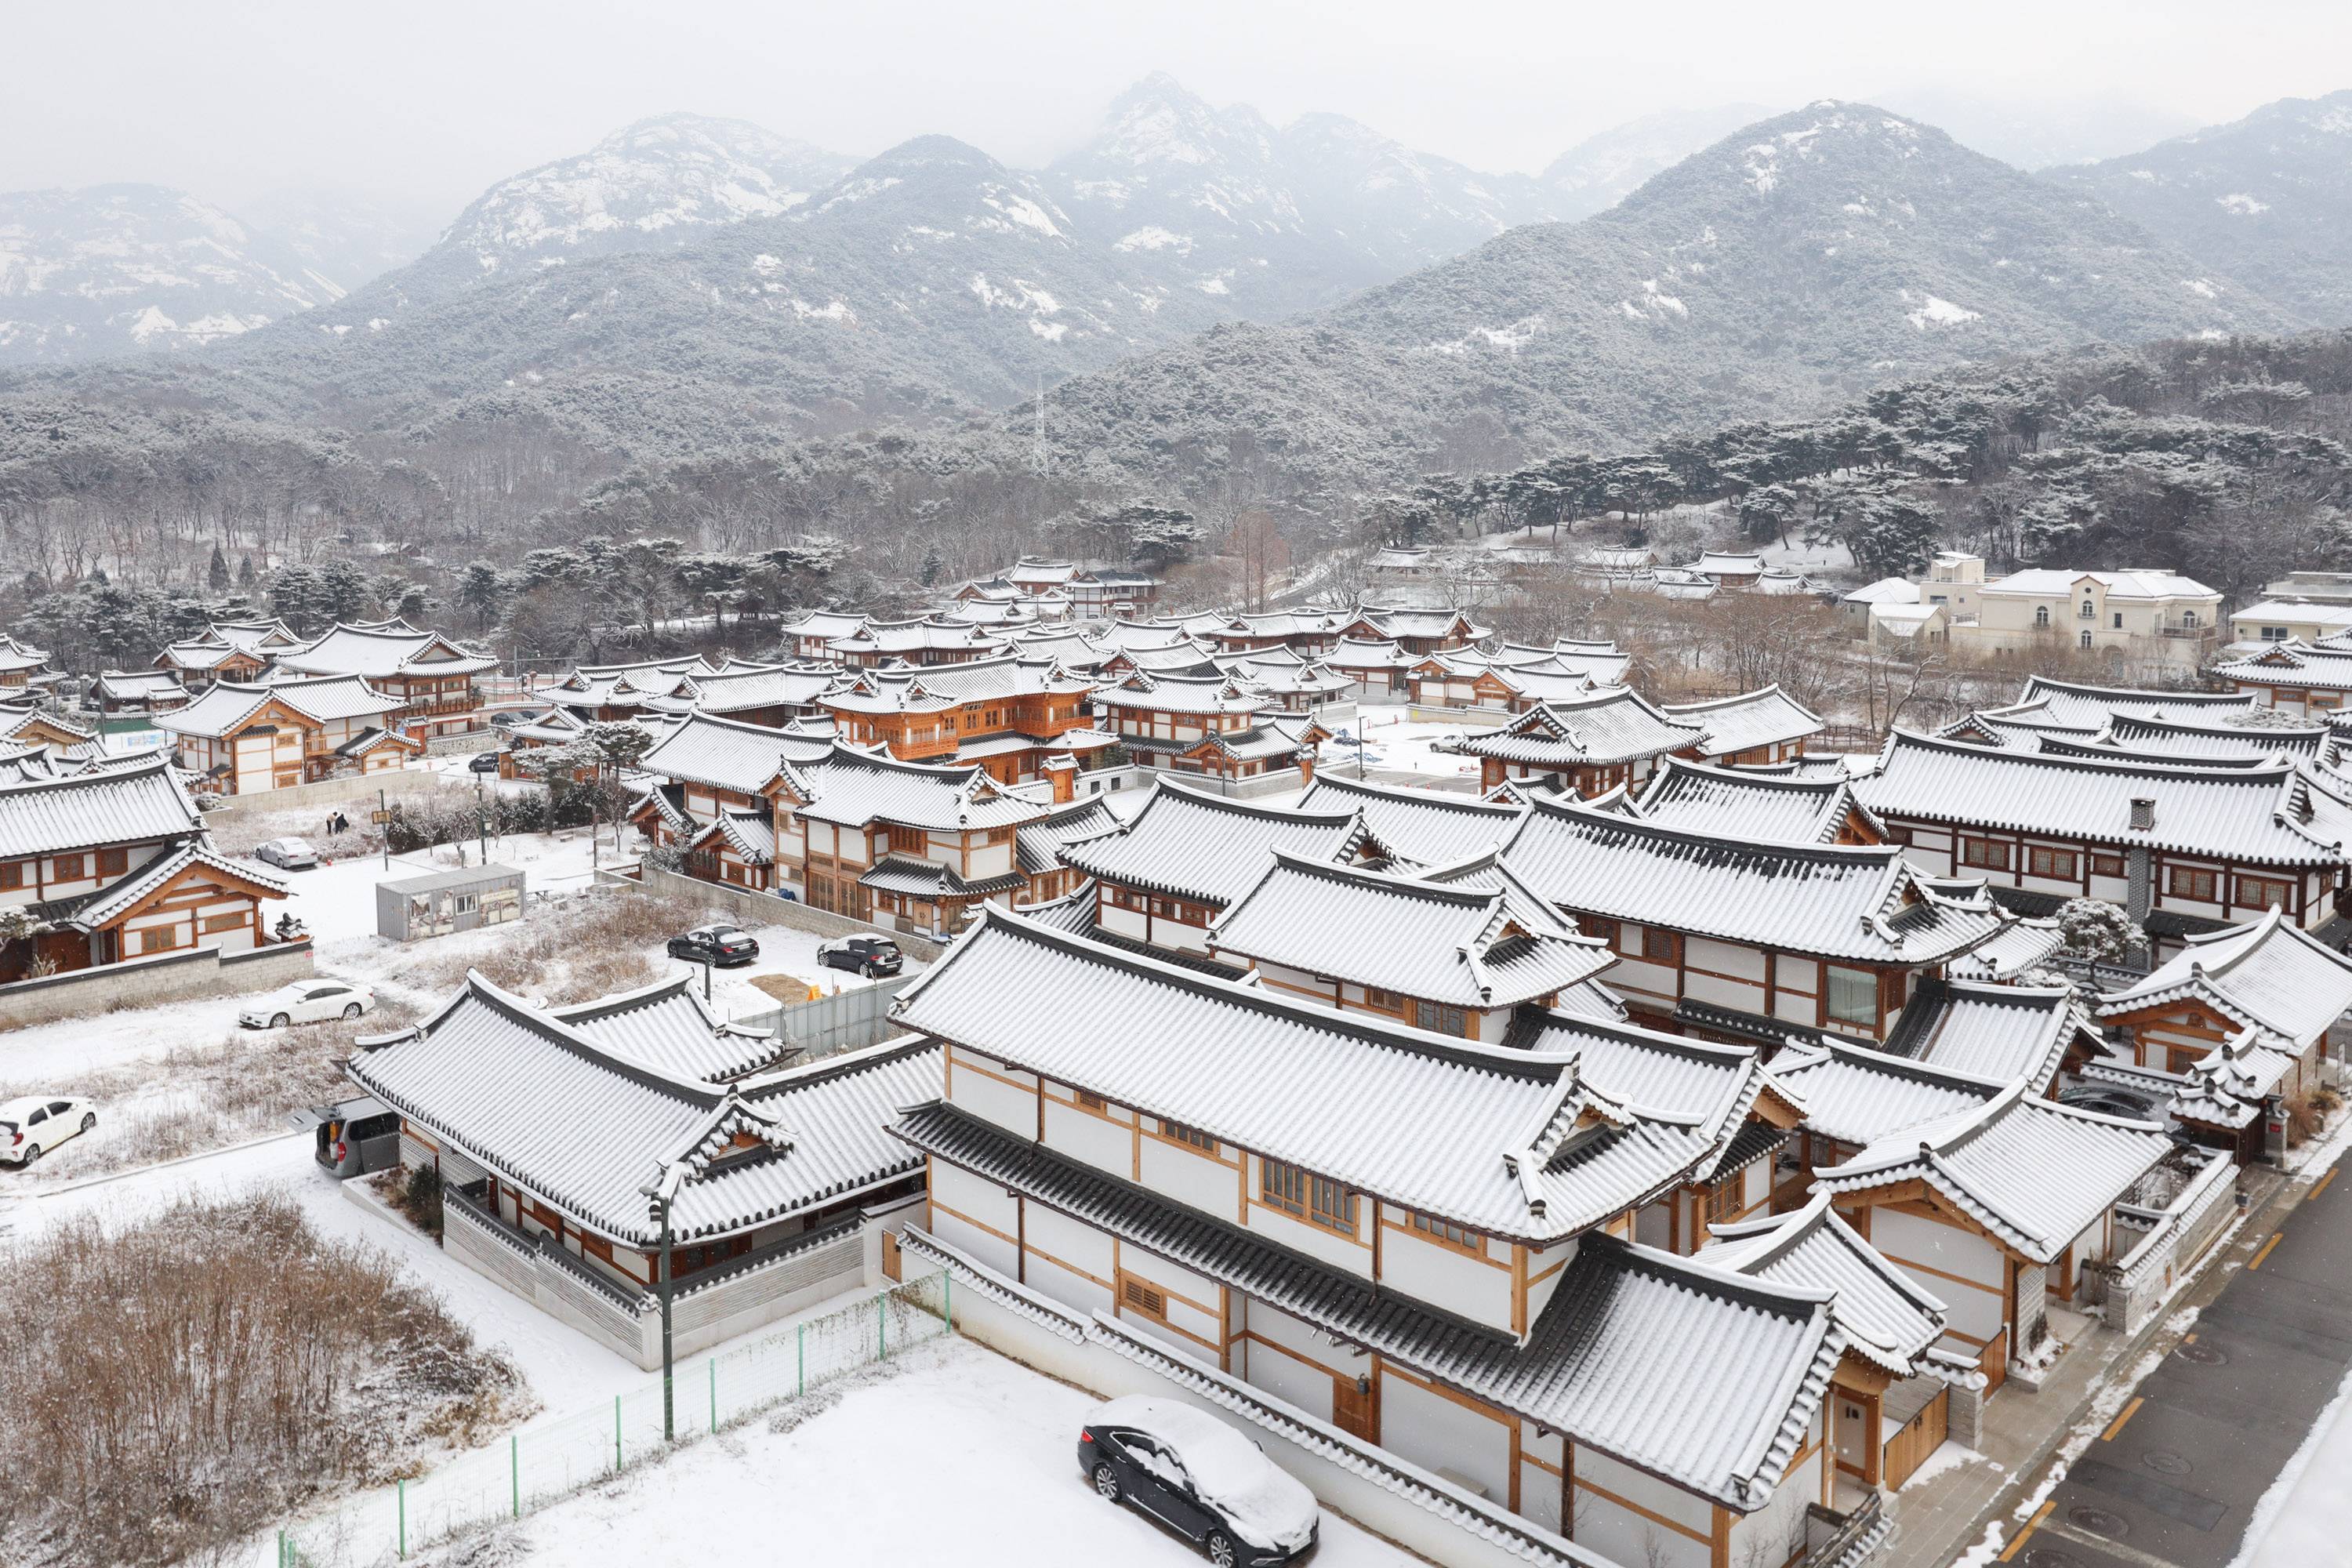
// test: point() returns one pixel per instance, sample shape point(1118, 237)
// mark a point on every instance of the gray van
point(353, 1136)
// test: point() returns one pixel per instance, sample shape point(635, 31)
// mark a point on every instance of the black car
point(1200, 1478)
point(485, 763)
point(872, 956)
point(722, 945)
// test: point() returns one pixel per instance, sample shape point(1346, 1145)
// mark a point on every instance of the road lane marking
point(2323, 1186)
point(2018, 1544)
point(2117, 1424)
point(2276, 1237)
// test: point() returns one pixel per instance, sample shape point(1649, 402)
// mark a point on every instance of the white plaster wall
point(1082, 1135)
point(1440, 1435)
point(1445, 1278)
point(1192, 1178)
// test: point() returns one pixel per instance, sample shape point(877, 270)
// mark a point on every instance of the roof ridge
point(2187, 768)
point(1856, 854)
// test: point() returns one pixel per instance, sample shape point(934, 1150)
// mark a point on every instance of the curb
point(88, 1181)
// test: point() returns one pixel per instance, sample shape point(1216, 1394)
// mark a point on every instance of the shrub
point(422, 1198)
point(170, 1385)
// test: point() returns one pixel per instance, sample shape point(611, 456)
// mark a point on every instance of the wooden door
point(1354, 1408)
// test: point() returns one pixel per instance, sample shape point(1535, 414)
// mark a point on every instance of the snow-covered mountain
point(654, 185)
point(111, 269)
point(1271, 220)
point(1798, 260)
point(2268, 198)
point(1602, 171)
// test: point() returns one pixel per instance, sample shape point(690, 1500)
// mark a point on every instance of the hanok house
point(433, 677)
point(2072, 705)
point(1420, 1241)
point(1185, 857)
point(1302, 631)
point(23, 667)
point(122, 692)
point(805, 638)
point(1009, 715)
point(1890, 1397)
point(913, 846)
point(1377, 667)
point(2294, 677)
point(1110, 591)
point(2162, 740)
point(1414, 630)
point(1735, 803)
point(1729, 568)
point(31, 726)
point(776, 694)
point(1588, 745)
point(1763, 726)
point(919, 641)
point(2290, 990)
point(1748, 939)
point(771, 1172)
point(115, 862)
point(2183, 848)
point(606, 692)
point(714, 765)
point(241, 739)
point(1160, 719)
point(228, 650)
point(2000, 1208)
point(1450, 959)
point(1289, 681)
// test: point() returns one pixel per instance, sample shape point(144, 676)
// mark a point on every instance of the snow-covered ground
point(951, 1437)
point(1400, 744)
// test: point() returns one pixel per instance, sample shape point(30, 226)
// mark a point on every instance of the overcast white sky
point(424, 102)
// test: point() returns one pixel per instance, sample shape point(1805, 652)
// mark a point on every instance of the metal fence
point(844, 1021)
point(554, 1459)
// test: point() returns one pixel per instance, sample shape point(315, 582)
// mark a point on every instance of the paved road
point(2173, 1480)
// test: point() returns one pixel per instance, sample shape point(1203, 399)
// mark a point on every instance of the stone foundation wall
point(153, 981)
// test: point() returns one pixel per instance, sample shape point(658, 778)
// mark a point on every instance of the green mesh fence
point(552, 1459)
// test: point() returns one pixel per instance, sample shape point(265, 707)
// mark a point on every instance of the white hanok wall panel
point(1603, 1522)
point(978, 1216)
point(1471, 1285)
point(1438, 1433)
point(1293, 1361)
point(1961, 1269)
point(1078, 1251)
point(1103, 1139)
point(1192, 1177)
point(1775, 1533)
point(984, 1087)
point(1541, 1473)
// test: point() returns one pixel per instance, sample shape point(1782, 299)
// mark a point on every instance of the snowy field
point(183, 1061)
point(952, 1432)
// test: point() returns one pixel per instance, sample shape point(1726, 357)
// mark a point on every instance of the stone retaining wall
point(343, 791)
point(755, 908)
point(151, 981)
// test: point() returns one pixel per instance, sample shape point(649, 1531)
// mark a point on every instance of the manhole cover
point(2202, 1353)
point(2165, 1462)
point(2049, 1557)
point(2099, 1521)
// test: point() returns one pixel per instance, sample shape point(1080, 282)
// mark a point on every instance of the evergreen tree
point(217, 574)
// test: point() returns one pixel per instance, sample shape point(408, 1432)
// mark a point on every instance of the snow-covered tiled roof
point(727, 753)
point(2275, 815)
point(1766, 716)
point(1423, 826)
point(934, 688)
point(2021, 945)
point(1855, 1095)
point(227, 706)
point(1595, 730)
point(1886, 1314)
point(1368, 653)
point(2165, 738)
point(1862, 903)
point(1164, 693)
point(898, 639)
point(1468, 946)
point(1736, 802)
point(140, 685)
point(1886, 591)
point(853, 786)
point(1992, 1031)
point(2035, 1173)
point(2293, 663)
point(931, 881)
point(1037, 845)
point(746, 830)
point(667, 1027)
point(384, 650)
point(581, 1116)
point(1486, 1136)
point(111, 903)
point(2074, 705)
point(2228, 1085)
point(1189, 844)
point(2268, 974)
point(95, 807)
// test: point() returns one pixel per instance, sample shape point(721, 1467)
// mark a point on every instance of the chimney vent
point(2143, 814)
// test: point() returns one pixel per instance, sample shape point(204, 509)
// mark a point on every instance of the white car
point(34, 1125)
point(288, 853)
point(309, 1001)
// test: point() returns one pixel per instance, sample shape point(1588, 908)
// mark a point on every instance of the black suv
point(722, 946)
point(872, 956)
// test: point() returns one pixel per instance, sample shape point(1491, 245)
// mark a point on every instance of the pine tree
point(217, 574)
point(245, 573)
